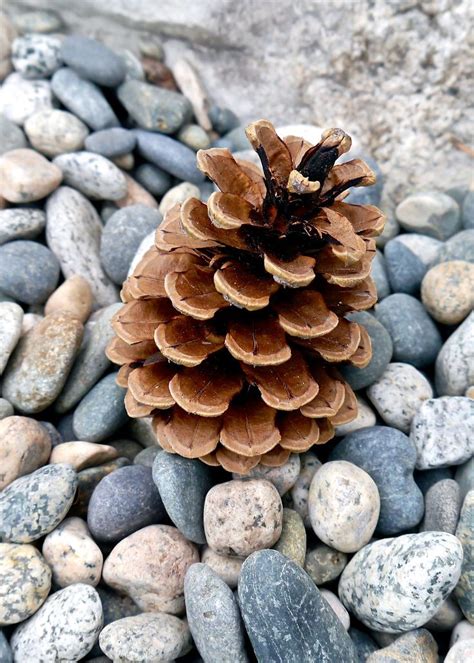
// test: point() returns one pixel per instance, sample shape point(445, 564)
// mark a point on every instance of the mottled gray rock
point(64, 628)
point(223, 119)
point(447, 292)
point(178, 194)
point(283, 477)
point(442, 432)
point(417, 646)
point(285, 615)
point(21, 223)
point(464, 591)
point(154, 108)
point(54, 132)
point(24, 447)
point(467, 211)
point(91, 59)
point(405, 269)
point(310, 464)
point(458, 247)
point(363, 644)
point(111, 142)
point(36, 56)
point(395, 585)
point(431, 213)
point(425, 248)
point(170, 155)
point(292, 541)
point(155, 180)
point(380, 276)
point(83, 99)
point(20, 98)
point(454, 368)
point(442, 507)
point(33, 505)
point(11, 136)
point(11, 316)
point(324, 564)
point(101, 412)
point(29, 271)
point(465, 477)
point(213, 616)
point(92, 174)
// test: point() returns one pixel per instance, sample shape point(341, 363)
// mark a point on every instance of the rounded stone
point(6, 409)
point(91, 59)
point(194, 137)
point(213, 616)
point(101, 412)
point(26, 176)
point(460, 652)
point(292, 542)
point(405, 269)
point(337, 607)
point(226, 567)
point(170, 155)
point(150, 566)
point(395, 585)
point(122, 503)
point(442, 432)
point(11, 318)
point(24, 447)
point(127, 449)
point(310, 464)
point(365, 418)
point(72, 554)
point(73, 296)
point(243, 516)
point(34, 505)
point(39, 367)
point(178, 194)
point(390, 230)
point(283, 477)
point(446, 617)
point(183, 484)
point(36, 56)
point(223, 119)
point(136, 194)
point(464, 591)
point(417, 646)
point(431, 213)
point(344, 506)
point(92, 174)
point(447, 291)
point(25, 581)
point(21, 223)
point(416, 339)
point(147, 637)
point(147, 456)
point(112, 142)
point(380, 276)
point(38, 21)
point(454, 368)
point(29, 271)
point(465, 477)
point(389, 457)
point(442, 507)
point(398, 394)
point(66, 627)
point(53, 132)
point(88, 479)
point(324, 564)
point(425, 248)
point(11, 136)
point(20, 98)
point(458, 247)
point(155, 180)
point(80, 455)
point(5, 651)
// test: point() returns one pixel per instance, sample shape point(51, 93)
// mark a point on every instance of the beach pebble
point(83, 99)
point(101, 412)
point(380, 276)
point(72, 554)
point(26, 176)
point(462, 631)
point(447, 291)
point(442, 506)
point(11, 136)
point(88, 479)
point(127, 448)
point(388, 456)
point(398, 394)
point(149, 566)
point(417, 646)
point(91, 59)
point(39, 367)
point(431, 213)
point(337, 607)
point(36, 56)
point(29, 271)
point(93, 175)
point(155, 180)
point(133, 66)
point(454, 368)
point(53, 132)
point(136, 195)
point(6, 408)
point(395, 585)
point(285, 615)
point(467, 210)
point(425, 248)
point(25, 581)
point(405, 269)
point(363, 643)
point(24, 447)
point(416, 339)
point(21, 223)
point(178, 194)
point(74, 296)
point(464, 591)
point(310, 464)
point(34, 505)
point(242, 516)
point(20, 98)
point(223, 119)
point(283, 477)
point(154, 108)
point(80, 455)
point(40, 20)
point(344, 506)
point(112, 142)
point(465, 477)
point(461, 652)
point(150, 637)
point(458, 247)
point(65, 628)
point(442, 432)
point(194, 137)
point(390, 230)
point(11, 317)
point(226, 567)
point(170, 155)
point(365, 417)
point(146, 456)
point(292, 542)
point(213, 616)
point(122, 503)
point(324, 564)
point(446, 617)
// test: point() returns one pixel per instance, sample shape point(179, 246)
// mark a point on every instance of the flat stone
point(101, 412)
point(111, 142)
point(154, 179)
point(29, 271)
point(25, 581)
point(380, 276)
point(80, 455)
point(88, 479)
point(34, 505)
point(26, 176)
point(425, 248)
point(122, 503)
point(154, 108)
point(72, 554)
point(447, 292)
point(365, 417)
point(458, 247)
point(40, 20)
point(65, 627)
point(242, 516)
point(283, 477)
point(11, 136)
point(454, 368)
point(442, 507)
point(53, 132)
point(20, 98)
point(467, 210)
point(285, 615)
point(460, 652)
point(324, 564)
point(178, 194)
point(36, 56)
point(150, 566)
point(146, 637)
point(417, 646)
point(91, 59)
point(416, 339)
point(464, 591)
point(395, 585)
point(189, 82)
point(431, 213)
point(292, 542)
point(73, 232)
point(19, 223)
point(442, 432)
point(405, 269)
point(389, 457)
point(398, 394)
point(93, 175)
point(24, 447)
point(169, 154)
point(310, 464)
point(226, 567)
point(427, 478)
point(39, 367)
point(73, 296)
point(183, 485)
point(122, 236)
point(11, 317)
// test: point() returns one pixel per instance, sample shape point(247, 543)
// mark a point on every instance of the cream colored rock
point(26, 176)
point(24, 447)
point(191, 86)
point(11, 317)
point(82, 454)
point(73, 296)
point(125, 161)
point(283, 477)
point(310, 464)
point(337, 607)
point(461, 652)
point(242, 516)
point(417, 646)
point(29, 321)
point(72, 554)
point(225, 566)
point(54, 132)
point(178, 194)
point(447, 291)
point(149, 566)
point(365, 418)
point(136, 195)
point(7, 35)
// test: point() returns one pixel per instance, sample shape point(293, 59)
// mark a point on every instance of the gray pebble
point(324, 564)
point(427, 478)
point(464, 591)
point(54, 132)
point(101, 412)
point(5, 651)
point(154, 108)
point(425, 248)
point(21, 223)
point(170, 155)
point(454, 368)
point(111, 142)
point(29, 271)
point(380, 276)
point(20, 98)
point(133, 66)
point(223, 119)
point(11, 317)
point(6, 410)
point(442, 507)
point(363, 644)
point(11, 136)
point(92, 174)
point(465, 477)
point(40, 20)
point(194, 137)
point(147, 456)
point(405, 269)
point(88, 479)
point(92, 60)
point(126, 448)
point(36, 56)
point(391, 230)
point(283, 477)
point(155, 180)
point(235, 140)
point(458, 247)
point(431, 213)
point(467, 211)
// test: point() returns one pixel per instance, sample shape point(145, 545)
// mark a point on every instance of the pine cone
point(234, 322)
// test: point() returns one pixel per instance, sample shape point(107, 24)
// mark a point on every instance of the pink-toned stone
point(25, 176)
point(82, 454)
point(73, 296)
point(24, 447)
point(136, 195)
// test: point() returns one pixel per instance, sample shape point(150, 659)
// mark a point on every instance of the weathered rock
point(300, 491)
point(20, 98)
point(93, 175)
point(88, 479)
point(447, 291)
point(460, 652)
point(324, 564)
point(26, 176)
point(417, 646)
point(292, 541)
point(29, 271)
point(169, 154)
point(154, 108)
point(73, 296)
point(464, 591)
point(454, 369)
point(365, 418)
point(112, 142)
point(442, 506)
point(24, 447)
point(11, 317)
point(36, 56)
point(20, 223)
point(226, 567)
point(11, 136)
point(54, 132)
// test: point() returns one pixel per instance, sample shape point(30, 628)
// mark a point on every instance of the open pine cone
point(234, 322)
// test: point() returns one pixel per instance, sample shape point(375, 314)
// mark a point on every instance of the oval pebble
point(154, 108)
point(178, 194)
point(225, 566)
point(53, 132)
point(431, 213)
point(447, 291)
point(80, 455)
point(458, 247)
point(29, 271)
point(20, 98)
point(101, 412)
point(40, 20)
point(93, 60)
point(417, 646)
point(464, 591)
point(424, 247)
point(454, 368)
point(112, 142)
point(88, 479)
point(24, 447)
point(460, 652)
point(11, 136)
point(283, 477)
point(292, 541)
point(405, 269)
point(380, 276)
point(154, 179)
point(365, 418)
point(324, 564)
point(442, 507)
point(73, 296)
point(26, 176)
point(21, 223)
point(36, 56)
point(11, 317)
point(310, 464)
point(169, 154)
point(93, 175)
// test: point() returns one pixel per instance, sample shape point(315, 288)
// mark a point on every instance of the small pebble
point(40, 20)
point(72, 554)
point(26, 176)
point(380, 276)
point(465, 477)
point(92, 60)
point(80, 455)
point(300, 491)
point(92, 174)
point(169, 154)
point(417, 646)
point(425, 248)
point(460, 652)
point(223, 119)
point(337, 607)
point(194, 137)
point(88, 479)
point(405, 269)
point(20, 98)
point(363, 644)
point(53, 132)
point(431, 213)
point(73, 296)
point(365, 418)
point(178, 194)
point(147, 456)
point(11, 136)
point(154, 108)
point(283, 477)
point(11, 317)
point(462, 631)
point(136, 195)
point(29, 271)
point(235, 140)
point(442, 507)
point(155, 180)
point(127, 448)
point(446, 617)
point(464, 591)
point(292, 542)
point(111, 142)
point(21, 223)
point(447, 291)
point(454, 368)
point(36, 56)
point(226, 567)
point(24, 447)
point(458, 247)
point(324, 564)
point(467, 210)
point(6, 409)
point(101, 412)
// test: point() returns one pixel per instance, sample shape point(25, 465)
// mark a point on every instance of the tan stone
point(447, 291)
point(416, 646)
point(178, 194)
point(74, 296)
point(136, 195)
point(225, 566)
point(26, 176)
point(24, 447)
point(125, 161)
point(54, 132)
point(29, 321)
point(7, 35)
point(82, 454)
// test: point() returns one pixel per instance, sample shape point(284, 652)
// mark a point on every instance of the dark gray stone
point(84, 99)
point(5, 651)
point(363, 643)
point(111, 142)
point(122, 236)
point(122, 503)
point(169, 154)
point(29, 271)
point(467, 210)
point(223, 119)
point(213, 616)
point(285, 615)
point(93, 60)
point(88, 479)
point(389, 457)
point(382, 350)
point(442, 507)
point(458, 247)
point(54, 435)
point(155, 180)
point(126, 448)
point(183, 484)
point(405, 269)
point(20, 223)
point(147, 456)
point(11, 136)
point(380, 276)
point(427, 478)
point(101, 412)
point(154, 108)
point(416, 339)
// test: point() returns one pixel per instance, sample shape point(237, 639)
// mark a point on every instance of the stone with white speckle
point(53, 132)
point(447, 291)
point(365, 417)
point(11, 317)
point(36, 56)
point(442, 506)
point(454, 368)
point(310, 464)
point(93, 175)
point(464, 591)
point(21, 223)
point(283, 477)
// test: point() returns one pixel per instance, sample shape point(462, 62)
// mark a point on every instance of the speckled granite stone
point(310, 464)
point(283, 477)
point(464, 591)
point(292, 542)
point(442, 506)
point(417, 646)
